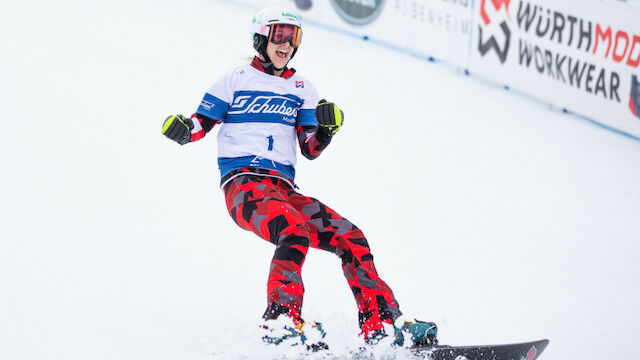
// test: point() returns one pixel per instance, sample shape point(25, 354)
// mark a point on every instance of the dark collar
point(267, 67)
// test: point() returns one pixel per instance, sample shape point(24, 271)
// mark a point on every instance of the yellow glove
point(178, 128)
point(330, 118)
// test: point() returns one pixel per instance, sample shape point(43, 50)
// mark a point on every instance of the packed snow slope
point(487, 213)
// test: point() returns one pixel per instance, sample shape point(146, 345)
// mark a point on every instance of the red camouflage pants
point(272, 210)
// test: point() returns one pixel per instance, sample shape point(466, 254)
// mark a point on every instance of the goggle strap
point(260, 29)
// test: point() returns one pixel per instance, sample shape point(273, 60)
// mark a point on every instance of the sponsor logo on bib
point(264, 107)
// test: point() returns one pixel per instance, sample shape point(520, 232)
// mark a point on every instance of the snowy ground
point(491, 215)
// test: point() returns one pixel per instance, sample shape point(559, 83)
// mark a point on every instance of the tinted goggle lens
point(282, 33)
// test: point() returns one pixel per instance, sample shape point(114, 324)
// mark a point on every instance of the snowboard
point(520, 351)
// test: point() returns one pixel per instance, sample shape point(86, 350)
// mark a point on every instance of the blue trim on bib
point(307, 117)
point(227, 165)
point(212, 107)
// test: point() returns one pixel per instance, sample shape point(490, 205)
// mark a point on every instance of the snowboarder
point(263, 109)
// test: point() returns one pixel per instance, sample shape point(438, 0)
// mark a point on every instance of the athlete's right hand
point(178, 128)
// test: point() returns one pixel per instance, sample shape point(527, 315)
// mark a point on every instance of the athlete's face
point(279, 54)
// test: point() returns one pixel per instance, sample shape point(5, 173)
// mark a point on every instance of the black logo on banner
point(581, 53)
point(634, 100)
point(358, 12)
point(304, 4)
point(484, 46)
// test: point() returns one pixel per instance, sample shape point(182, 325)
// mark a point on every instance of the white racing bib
point(259, 114)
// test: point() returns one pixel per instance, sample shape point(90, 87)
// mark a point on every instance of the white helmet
point(263, 21)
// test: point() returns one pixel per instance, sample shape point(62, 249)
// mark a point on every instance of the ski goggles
point(282, 33)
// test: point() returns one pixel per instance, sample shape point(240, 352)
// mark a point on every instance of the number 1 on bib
point(270, 138)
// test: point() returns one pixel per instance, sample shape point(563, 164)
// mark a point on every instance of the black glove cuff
point(323, 134)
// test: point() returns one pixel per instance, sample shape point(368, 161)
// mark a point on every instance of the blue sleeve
point(213, 107)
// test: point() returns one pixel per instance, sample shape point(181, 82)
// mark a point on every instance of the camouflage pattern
point(268, 207)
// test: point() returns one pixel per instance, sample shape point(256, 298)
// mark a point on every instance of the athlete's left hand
point(330, 118)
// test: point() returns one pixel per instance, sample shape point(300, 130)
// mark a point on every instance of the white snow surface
point(487, 212)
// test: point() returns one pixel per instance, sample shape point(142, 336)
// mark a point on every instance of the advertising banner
point(582, 55)
point(433, 28)
point(438, 28)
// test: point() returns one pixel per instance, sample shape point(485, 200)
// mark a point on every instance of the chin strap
point(268, 68)
point(268, 65)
